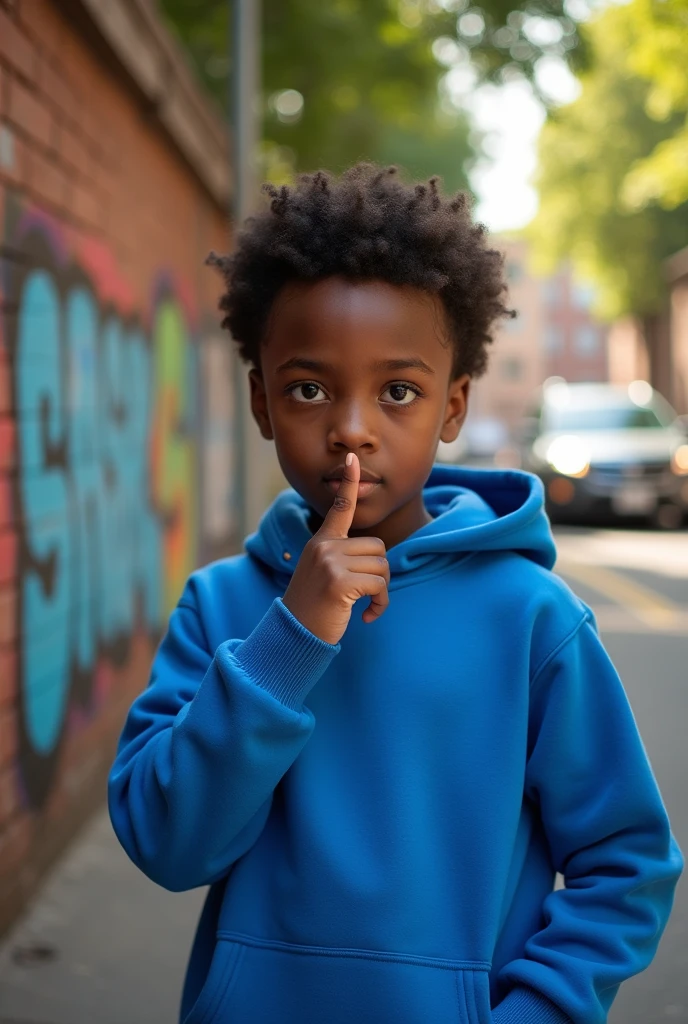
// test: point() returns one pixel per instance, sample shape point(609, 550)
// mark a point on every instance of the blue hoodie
point(381, 821)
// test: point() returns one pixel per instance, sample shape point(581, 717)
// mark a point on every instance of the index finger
point(338, 520)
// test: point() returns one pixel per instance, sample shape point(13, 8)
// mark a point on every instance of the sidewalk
point(120, 942)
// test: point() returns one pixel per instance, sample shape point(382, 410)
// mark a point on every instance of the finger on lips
point(340, 516)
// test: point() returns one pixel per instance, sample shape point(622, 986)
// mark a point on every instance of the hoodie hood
point(472, 509)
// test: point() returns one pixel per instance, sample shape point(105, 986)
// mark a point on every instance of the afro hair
point(366, 224)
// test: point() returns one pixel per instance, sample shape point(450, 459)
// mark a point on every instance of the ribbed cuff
point(526, 1006)
point(283, 657)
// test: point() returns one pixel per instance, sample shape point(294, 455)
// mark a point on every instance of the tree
point(588, 152)
point(347, 79)
point(658, 55)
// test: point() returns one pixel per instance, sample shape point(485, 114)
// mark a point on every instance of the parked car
point(603, 449)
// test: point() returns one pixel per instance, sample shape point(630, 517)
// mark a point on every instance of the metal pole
point(246, 88)
point(244, 83)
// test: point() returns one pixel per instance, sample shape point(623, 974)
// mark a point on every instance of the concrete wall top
point(156, 65)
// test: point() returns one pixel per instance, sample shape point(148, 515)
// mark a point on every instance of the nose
point(353, 427)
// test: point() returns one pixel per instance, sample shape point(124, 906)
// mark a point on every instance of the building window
point(511, 369)
point(554, 339)
point(582, 295)
point(586, 340)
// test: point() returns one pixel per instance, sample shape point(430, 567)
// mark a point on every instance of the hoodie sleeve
point(204, 746)
point(608, 835)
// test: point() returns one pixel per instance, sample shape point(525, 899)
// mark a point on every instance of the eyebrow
point(299, 363)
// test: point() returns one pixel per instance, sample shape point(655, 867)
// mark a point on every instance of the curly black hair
point(366, 224)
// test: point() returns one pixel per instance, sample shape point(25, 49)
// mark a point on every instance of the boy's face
point(362, 367)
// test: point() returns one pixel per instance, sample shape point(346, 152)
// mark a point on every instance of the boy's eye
point(305, 392)
point(402, 394)
point(308, 392)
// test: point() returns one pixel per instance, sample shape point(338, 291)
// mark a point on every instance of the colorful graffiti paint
point(106, 481)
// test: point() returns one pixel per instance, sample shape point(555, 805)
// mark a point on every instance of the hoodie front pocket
point(473, 993)
point(279, 983)
point(212, 1000)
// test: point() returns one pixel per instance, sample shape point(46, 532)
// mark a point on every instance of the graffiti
point(218, 462)
point(106, 490)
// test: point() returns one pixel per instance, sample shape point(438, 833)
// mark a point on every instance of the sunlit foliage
point(591, 152)
point(346, 79)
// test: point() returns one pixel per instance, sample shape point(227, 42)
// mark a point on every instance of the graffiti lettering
point(106, 488)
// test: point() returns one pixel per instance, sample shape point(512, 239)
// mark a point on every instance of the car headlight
point(569, 456)
point(679, 461)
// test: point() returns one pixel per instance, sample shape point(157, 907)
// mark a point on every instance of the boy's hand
point(335, 569)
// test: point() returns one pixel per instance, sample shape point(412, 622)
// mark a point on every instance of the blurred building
point(116, 393)
point(628, 354)
point(574, 340)
point(655, 347)
point(555, 334)
point(516, 364)
point(677, 274)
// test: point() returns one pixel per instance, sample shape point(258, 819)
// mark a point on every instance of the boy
point(379, 732)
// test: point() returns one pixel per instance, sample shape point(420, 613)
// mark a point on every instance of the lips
point(367, 483)
point(366, 476)
point(364, 487)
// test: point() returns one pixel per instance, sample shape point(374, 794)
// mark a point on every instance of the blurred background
point(134, 135)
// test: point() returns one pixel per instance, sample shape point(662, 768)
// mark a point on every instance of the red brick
point(9, 738)
point(9, 687)
point(6, 501)
point(15, 49)
point(78, 68)
point(58, 803)
point(4, 90)
point(92, 111)
point(74, 151)
point(9, 313)
point(15, 842)
point(90, 133)
point(8, 556)
point(43, 25)
point(7, 442)
point(85, 203)
point(8, 615)
point(49, 181)
point(54, 86)
point(5, 384)
point(30, 114)
point(16, 173)
point(9, 795)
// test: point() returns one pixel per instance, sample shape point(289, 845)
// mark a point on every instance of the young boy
point(380, 731)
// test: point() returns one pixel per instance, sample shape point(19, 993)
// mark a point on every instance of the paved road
point(122, 942)
point(637, 584)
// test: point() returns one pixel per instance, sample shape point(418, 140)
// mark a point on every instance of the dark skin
point(352, 326)
point(355, 382)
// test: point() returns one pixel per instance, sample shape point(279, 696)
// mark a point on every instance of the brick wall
point(516, 360)
point(575, 340)
point(115, 415)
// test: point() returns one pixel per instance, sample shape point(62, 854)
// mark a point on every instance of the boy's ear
point(259, 404)
point(456, 409)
